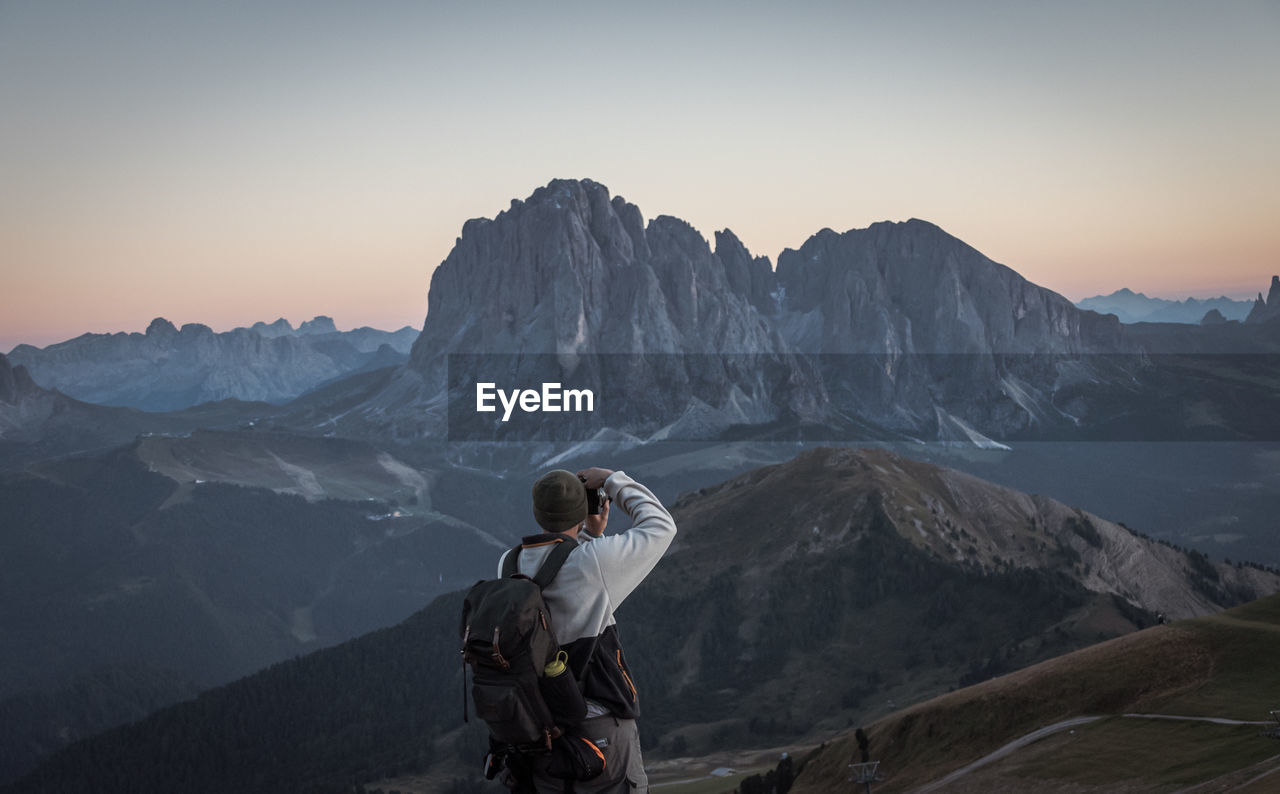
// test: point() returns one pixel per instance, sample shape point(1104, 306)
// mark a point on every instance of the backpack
point(508, 642)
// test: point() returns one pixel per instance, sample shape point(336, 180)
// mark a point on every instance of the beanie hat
point(559, 501)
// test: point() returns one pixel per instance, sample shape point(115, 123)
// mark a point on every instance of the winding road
point(1057, 727)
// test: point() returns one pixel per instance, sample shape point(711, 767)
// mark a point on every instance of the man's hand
point(594, 477)
point(596, 523)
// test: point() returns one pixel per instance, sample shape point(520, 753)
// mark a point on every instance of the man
point(595, 578)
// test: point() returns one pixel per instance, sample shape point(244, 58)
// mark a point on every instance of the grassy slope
point(1220, 666)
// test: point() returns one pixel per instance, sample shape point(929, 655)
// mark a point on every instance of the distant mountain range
point(149, 543)
point(897, 331)
point(39, 424)
point(169, 369)
point(1135, 307)
point(863, 575)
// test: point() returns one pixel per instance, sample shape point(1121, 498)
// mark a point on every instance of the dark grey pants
point(624, 768)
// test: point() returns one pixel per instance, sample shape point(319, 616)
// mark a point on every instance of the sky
point(229, 162)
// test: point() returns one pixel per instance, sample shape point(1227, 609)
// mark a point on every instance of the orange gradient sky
point(225, 163)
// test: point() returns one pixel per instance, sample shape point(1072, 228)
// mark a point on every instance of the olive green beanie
point(559, 501)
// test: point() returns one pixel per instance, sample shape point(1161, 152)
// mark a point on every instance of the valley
point(900, 471)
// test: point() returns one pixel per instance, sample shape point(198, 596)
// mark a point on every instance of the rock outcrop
point(15, 382)
point(1266, 310)
point(574, 273)
point(896, 330)
point(912, 288)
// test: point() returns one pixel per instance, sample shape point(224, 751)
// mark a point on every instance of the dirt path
point(1218, 720)
point(1049, 730)
point(1008, 749)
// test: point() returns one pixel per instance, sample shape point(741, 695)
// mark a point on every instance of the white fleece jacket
point(598, 575)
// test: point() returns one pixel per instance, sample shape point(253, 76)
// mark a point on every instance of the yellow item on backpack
point(557, 665)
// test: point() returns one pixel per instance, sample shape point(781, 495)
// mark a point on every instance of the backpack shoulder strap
point(555, 558)
point(550, 566)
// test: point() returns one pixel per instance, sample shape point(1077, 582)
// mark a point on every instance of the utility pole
point(1273, 731)
point(865, 774)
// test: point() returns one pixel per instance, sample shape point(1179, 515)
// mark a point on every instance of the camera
point(596, 497)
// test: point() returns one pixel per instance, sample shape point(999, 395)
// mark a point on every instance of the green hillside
point(122, 590)
point(798, 600)
point(1221, 667)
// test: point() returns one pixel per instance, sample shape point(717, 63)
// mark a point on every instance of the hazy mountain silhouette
point(168, 369)
point(1136, 307)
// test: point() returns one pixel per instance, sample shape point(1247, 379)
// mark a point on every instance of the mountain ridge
point(817, 590)
point(896, 330)
point(899, 330)
point(168, 368)
point(1211, 667)
point(1135, 307)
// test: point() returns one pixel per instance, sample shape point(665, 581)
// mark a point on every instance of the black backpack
point(508, 642)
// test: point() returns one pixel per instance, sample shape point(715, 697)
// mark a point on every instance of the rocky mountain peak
point(15, 382)
point(160, 328)
point(571, 269)
point(836, 496)
point(747, 275)
point(319, 325)
point(911, 287)
point(1266, 309)
point(280, 327)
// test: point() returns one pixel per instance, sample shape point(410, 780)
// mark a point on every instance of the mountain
point(168, 368)
point(898, 331)
point(1266, 310)
point(1136, 307)
point(237, 538)
point(911, 288)
point(559, 285)
point(1091, 710)
point(19, 399)
point(38, 424)
point(796, 598)
point(136, 578)
point(919, 332)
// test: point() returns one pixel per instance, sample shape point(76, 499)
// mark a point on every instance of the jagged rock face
point(1268, 309)
point(904, 288)
point(24, 406)
point(573, 271)
point(909, 318)
point(749, 276)
point(280, 327)
point(318, 325)
point(15, 382)
point(899, 327)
